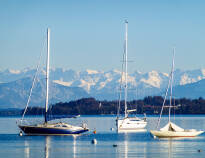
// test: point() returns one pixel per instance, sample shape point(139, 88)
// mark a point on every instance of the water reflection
point(129, 144)
point(126, 149)
point(47, 146)
point(26, 149)
point(66, 147)
point(165, 147)
point(170, 148)
point(133, 146)
point(122, 148)
point(74, 146)
point(29, 148)
point(130, 147)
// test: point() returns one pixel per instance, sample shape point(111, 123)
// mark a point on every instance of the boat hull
point(35, 130)
point(131, 124)
point(172, 134)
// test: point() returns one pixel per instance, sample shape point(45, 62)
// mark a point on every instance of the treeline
point(148, 105)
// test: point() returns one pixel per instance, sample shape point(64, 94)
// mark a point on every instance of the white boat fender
point(21, 133)
point(112, 129)
point(84, 125)
point(94, 141)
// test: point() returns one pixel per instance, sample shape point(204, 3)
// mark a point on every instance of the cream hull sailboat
point(171, 130)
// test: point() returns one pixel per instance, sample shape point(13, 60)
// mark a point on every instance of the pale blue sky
point(89, 34)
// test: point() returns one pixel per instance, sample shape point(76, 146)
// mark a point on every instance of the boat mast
point(172, 74)
point(126, 28)
point(47, 73)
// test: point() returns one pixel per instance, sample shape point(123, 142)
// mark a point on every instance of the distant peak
point(153, 72)
point(165, 74)
point(138, 72)
point(203, 72)
point(114, 70)
point(62, 83)
point(91, 71)
point(12, 71)
point(27, 69)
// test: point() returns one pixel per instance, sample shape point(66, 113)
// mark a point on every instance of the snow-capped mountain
point(105, 84)
point(190, 76)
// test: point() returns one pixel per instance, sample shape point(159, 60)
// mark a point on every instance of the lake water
point(139, 144)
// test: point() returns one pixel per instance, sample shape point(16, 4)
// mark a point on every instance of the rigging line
point(170, 82)
point(33, 83)
point(172, 75)
point(174, 109)
point(120, 95)
point(158, 123)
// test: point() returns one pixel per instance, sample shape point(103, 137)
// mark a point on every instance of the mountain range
point(67, 85)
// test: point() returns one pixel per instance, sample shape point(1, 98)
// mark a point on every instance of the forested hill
point(149, 105)
point(91, 106)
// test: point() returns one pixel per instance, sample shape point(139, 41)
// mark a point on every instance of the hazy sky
point(89, 34)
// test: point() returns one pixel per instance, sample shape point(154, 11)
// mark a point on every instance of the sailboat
point(171, 130)
point(127, 123)
point(47, 128)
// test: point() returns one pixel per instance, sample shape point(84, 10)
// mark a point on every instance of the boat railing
point(21, 122)
point(72, 121)
point(28, 122)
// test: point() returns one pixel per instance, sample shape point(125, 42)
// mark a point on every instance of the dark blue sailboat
point(48, 128)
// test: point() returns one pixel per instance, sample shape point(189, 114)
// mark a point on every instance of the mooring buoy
point(94, 141)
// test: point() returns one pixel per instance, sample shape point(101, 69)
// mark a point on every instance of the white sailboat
point(127, 123)
point(171, 130)
point(47, 128)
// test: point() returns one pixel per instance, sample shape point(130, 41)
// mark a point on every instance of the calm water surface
point(139, 144)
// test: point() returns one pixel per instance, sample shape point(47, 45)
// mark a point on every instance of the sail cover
point(172, 127)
